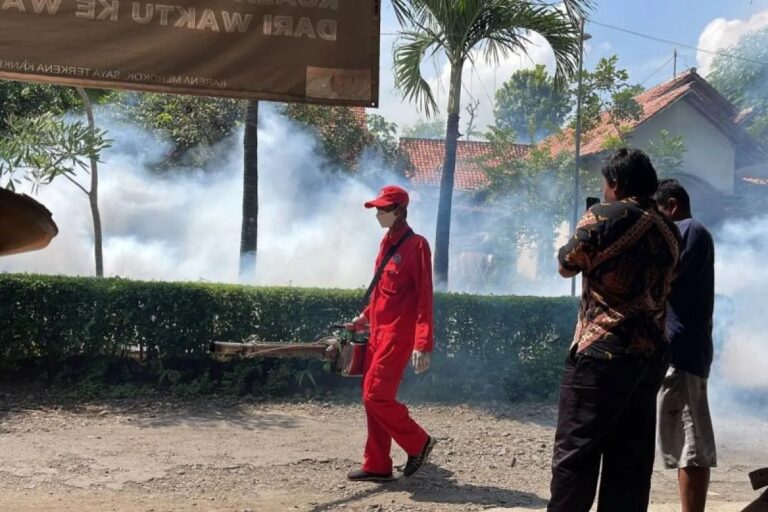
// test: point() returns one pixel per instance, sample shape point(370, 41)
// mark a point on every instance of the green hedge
point(76, 330)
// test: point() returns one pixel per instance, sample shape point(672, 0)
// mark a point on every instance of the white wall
point(710, 154)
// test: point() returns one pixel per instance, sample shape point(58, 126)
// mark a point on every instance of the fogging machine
point(344, 349)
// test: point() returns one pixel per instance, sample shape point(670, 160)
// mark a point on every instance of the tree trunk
point(249, 230)
point(93, 193)
point(442, 236)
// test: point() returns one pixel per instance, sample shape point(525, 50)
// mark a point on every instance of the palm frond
point(506, 26)
point(409, 53)
point(498, 27)
point(578, 9)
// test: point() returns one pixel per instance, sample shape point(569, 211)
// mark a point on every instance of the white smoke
point(185, 225)
point(313, 230)
point(742, 277)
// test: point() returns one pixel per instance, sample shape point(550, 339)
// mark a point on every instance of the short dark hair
point(632, 172)
point(670, 188)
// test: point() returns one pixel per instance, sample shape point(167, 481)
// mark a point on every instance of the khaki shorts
point(685, 425)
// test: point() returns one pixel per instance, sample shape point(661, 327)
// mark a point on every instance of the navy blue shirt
point(689, 312)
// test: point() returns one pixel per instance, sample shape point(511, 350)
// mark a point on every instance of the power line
point(652, 38)
point(474, 70)
point(668, 41)
point(656, 72)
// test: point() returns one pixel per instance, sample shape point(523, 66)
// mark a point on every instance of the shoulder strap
point(391, 252)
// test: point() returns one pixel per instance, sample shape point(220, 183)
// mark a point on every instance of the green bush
point(78, 331)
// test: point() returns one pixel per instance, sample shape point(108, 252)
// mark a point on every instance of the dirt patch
point(218, 454)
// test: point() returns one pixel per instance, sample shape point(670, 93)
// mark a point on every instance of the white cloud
point(721, 33)
point(480, 82)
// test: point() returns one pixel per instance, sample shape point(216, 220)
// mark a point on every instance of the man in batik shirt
point(626, 251)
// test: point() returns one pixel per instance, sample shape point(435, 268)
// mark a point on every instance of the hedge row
point(78, 330)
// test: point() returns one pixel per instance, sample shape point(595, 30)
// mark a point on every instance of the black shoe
point(358, 475)
point(415, 462)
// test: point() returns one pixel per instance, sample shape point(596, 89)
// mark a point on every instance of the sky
point(706, 24)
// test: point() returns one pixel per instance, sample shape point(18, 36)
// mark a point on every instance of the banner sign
point(314, 51)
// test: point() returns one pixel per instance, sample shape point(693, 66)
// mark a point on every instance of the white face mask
point(386, 219)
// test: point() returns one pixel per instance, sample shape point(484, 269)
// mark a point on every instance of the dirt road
point(242, 455)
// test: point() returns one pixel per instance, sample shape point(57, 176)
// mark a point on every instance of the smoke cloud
point(742, 278)
point(185, 225)
point(314, 231)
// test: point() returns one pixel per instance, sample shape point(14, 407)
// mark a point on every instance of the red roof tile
point(360, 116)
point(754, 180)
point(422, 161)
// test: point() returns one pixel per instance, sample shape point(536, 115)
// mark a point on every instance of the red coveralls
point(400, 316)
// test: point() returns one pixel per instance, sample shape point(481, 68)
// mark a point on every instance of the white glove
point(420, 361)
point(358, 324)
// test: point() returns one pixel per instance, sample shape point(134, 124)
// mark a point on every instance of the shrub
point(79, 331)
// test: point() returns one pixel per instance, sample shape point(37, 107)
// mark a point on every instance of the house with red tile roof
point(421, 161)
point(722, 166)
point(474, 252)
point(721, 158)
point(719, 151)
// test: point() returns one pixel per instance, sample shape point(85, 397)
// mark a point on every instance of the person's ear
point(672, 205)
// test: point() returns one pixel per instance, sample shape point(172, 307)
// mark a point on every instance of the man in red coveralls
point(399, 317)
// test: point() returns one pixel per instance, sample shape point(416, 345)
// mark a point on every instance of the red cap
point(388, 196)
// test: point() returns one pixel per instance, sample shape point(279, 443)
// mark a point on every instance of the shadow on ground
point(437, 485)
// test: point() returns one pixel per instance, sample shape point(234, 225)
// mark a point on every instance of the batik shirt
point(627, 252)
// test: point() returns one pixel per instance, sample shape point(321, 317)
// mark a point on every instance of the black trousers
point(607, 413)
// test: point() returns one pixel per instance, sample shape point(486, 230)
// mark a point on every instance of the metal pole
point(674, 66)
point(577, 159)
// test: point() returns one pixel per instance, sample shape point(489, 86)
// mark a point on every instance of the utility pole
point(674, 64)
point(577, 160)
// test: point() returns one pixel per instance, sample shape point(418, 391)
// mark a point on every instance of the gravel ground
point(225, 454)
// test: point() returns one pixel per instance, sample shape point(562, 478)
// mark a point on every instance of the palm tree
point(249, 229)
point(455, 29)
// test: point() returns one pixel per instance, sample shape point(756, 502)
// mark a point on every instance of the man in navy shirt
point(685, 426)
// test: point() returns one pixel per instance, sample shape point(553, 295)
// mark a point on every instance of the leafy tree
point(540, 180)
point(667, 152)
point(534, 191)
point(457, 29)
point(192, 124)
point(607, 94)
point(25, 99)
point(40, 149)
point(745, 82)
point(342, 135)
point(531, 105)
point(426, 129)
point(384, 136)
